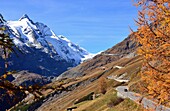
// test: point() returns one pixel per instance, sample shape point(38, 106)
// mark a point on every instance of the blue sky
point(95, 25)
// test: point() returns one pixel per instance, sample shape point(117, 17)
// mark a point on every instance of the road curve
point(123, 92)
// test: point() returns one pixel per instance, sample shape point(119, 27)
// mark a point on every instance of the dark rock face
point(37, 62)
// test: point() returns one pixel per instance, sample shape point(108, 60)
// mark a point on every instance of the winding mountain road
point(146, 103)
point(123, 91)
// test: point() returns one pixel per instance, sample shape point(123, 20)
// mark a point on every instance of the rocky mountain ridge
point(43, 52)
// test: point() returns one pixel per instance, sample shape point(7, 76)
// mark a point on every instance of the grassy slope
point(132, 67)
point(101, 103)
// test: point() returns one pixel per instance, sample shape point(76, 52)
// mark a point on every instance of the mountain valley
point(42, 71)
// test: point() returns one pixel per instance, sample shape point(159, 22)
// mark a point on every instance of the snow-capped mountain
point(42, 37)
point(42, 48)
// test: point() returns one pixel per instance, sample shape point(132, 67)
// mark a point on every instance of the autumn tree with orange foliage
point(102, 85)
point(154, 35)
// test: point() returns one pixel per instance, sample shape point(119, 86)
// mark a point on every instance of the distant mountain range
point(43, 52)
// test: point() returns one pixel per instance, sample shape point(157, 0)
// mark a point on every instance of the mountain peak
point(41, 44)
point(1, 18)
point(25, 16)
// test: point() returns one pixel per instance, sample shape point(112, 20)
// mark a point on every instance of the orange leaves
point(102, 85)
point(20, 87)
point(10, 92)
point(154, 35)
point(4, 76)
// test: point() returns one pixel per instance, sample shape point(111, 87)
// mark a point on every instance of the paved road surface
point(123, 92)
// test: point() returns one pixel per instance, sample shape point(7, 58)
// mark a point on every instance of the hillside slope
point(126, 48)
point(83, 86)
